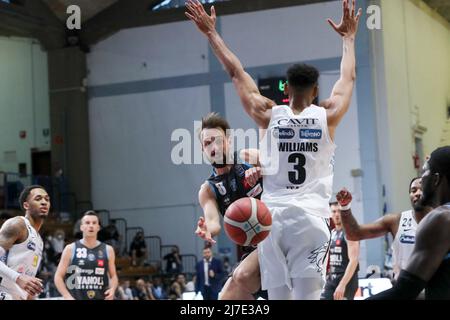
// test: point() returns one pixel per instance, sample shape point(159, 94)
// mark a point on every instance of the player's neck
point(338, 227)
point(90, 242)
point(36, 223)
point(419, 214)
point(298, 104)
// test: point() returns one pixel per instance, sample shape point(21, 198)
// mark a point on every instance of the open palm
point(349, 23)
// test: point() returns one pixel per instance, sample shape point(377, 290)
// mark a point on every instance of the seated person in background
point(173, 261)
point(138, 250)
point(158, 289)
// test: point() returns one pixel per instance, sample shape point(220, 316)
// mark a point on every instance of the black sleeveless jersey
point(438, 288)
point(232, 186)
point(87, 274)
point(339, 253)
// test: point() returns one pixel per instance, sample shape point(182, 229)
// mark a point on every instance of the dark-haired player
point(429, 265)
point(87, 269)
point(292, 257)
point(21, 247)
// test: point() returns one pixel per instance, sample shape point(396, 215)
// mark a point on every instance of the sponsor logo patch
point(100, 271)
point(310, 134)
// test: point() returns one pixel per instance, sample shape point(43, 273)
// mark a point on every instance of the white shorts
point(297, 247)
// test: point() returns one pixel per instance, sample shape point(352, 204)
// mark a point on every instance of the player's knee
point(242, 277)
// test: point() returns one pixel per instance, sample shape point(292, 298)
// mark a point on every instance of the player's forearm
point(114, 283)
point(348, 63)
point(352, 228)
point(227, 58)
point(62, 289)
point(349, 272)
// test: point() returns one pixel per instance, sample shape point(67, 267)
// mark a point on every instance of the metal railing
point(189, 262)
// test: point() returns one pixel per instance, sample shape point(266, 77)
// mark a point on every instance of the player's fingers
point(213, 12)
point(191, 17)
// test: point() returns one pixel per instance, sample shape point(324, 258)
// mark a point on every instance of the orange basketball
point(247, 221)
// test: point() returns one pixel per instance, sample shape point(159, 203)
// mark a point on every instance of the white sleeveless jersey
point(297, 156)
point(23, 258)
point(403, 244)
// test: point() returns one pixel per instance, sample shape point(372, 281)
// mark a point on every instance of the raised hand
point(202, 231)
point(204, 22)
point(349, 22)
point(344, 197)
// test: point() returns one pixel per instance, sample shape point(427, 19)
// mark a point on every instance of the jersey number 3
point(299, 175)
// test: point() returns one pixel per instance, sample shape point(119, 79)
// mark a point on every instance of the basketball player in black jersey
point(342, 280)
point(230, 181)
point(429, 265)
point(87, 269)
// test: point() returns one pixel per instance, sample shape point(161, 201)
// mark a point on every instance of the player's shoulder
point(15, 224)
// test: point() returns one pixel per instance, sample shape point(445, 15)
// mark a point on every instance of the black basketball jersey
point(232, 186)
point(339, 253)
point(87, 274)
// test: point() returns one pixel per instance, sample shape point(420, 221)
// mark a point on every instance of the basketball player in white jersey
point(292, 258)
point(21, 247)
point(402, 226)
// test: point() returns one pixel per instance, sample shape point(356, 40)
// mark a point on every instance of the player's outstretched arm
point(14, 230)
point(209, 225)
point(339, 102)
point(354, 231)
point(61, 272)
point(257, 106)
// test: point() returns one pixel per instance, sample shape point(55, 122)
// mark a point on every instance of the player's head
point(436, 178)
point(335, 213)
point(90, 224)
point(207, 253)
point(303, 81)
point(415, 192)
point(215, 139)
point(35, 201)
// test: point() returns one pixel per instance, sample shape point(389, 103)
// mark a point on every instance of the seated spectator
point(141, 291)
point(158, 289)
point(112, 236)
point(173, 262)
point(190, 286)
point(58, 243)
point(138, 250)
point(124, 291)
point(178, 287)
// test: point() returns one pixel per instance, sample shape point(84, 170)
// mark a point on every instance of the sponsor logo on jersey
point(301, 122)
point(35, 260)
point(81, 262)
point(100, 271)
point(91, 257)
point(338, 242)
point(31, 246)
point(407, 239)
point(100, 254)
point(310, 134)
point(101, 263)
point(91, 294)
point(221, 188)
point(284, 133)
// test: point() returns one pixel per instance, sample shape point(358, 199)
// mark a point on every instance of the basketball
point(247, 221)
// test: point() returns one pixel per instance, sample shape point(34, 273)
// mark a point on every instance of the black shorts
point(333, 282)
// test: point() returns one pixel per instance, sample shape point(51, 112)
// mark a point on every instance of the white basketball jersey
point(297, 156)
point(403, 244)
point(23, 258)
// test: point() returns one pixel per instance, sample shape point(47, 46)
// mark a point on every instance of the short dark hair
point(214, 120)
point(413, 179)
point(440, 162)
point(302, 76)
point(26, 192)
point(333, 203)
point(92, 213)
